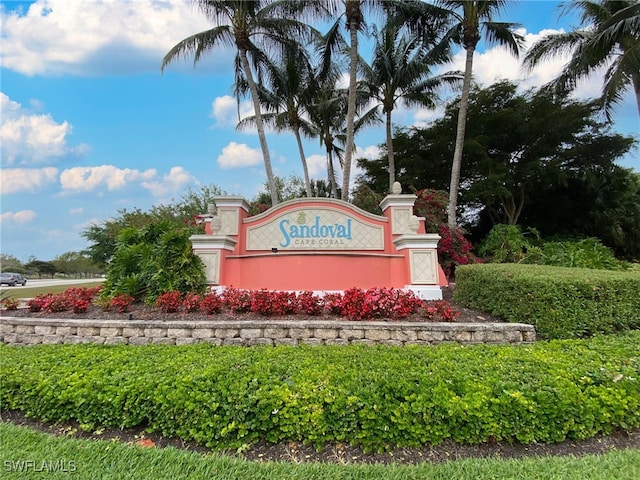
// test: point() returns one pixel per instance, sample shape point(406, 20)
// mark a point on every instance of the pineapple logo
point(302, 218)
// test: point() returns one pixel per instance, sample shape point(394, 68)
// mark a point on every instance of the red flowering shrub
point(169, 302)
point(211, 303)
point(309, 304)
point(454, 249)
point(35, 304)
point(192, 302)
point(440, 310)
point(80, 305)
point(432, 205)
point(333, 303)
point(285, 303)
point(262, 302)
point(238, 301)
point(10, 304)
point(121, 303)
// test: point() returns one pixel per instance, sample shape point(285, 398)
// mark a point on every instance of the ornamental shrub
point(309, 303)
point(378, 398)
point(10, 303)
point(121, 303)
point(236, 300)
point(169, 302)
point(192, 302)
point(453, 250)
point(211, 303)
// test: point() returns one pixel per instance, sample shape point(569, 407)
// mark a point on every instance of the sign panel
point(315, 229)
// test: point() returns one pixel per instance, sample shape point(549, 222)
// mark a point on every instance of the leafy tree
point(401, 72)
point(9, 263)
point(609, 35)
point(40, 268)
point(531, 159)
point(248, 25)
point(103, 236)
point(469, 17)
point(76, 264)
point(293, 86)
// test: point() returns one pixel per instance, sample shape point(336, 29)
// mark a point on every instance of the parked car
point(12, 279)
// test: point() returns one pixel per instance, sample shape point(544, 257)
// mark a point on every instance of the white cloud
point(237, 155)
point(23, 216)
point(30, 138)
point(76, 211)
point(497, 63)
point(225, 111)
point(317, 165)
point(55, 37)
point(173, 182)
point(21, 180)
point(87, 179)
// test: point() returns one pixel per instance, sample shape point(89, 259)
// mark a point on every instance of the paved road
point(47, 282)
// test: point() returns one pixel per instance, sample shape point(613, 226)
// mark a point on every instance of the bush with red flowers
point(169, 302)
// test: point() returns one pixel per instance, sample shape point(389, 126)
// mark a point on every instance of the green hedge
point(377, 397)
point(560, 302)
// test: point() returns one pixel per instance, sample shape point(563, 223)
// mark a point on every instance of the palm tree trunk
point(332, 175)
point(260, 127)
point(635, 79)
point(460, 131)
point(305, 168)
point(351, 111)
point(392, 162)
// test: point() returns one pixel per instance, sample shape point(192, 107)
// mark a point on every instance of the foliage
point(74, 298)
point(169, 302)
point(585, 253)
point(121, 303)
point(152, 260)
point(192, 302)
point(236, 300)
point(367, 199)
point(40, 268)
point(10, 303)
point(530, 158)
point(506, 244)
point(211, 303)
point(76, 264)
point(453, 250)
point(103, 237)
point(431, 204)
point(376, 397)
point(560, 302)
point(440, 310)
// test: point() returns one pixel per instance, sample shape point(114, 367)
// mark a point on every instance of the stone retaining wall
point(32, 331)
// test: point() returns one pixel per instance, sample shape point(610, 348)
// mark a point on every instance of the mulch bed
point(342, 453)
point(146, 312)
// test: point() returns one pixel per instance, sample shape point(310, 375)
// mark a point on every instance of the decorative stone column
point(222, 226)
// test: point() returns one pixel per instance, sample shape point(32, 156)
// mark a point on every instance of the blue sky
point(89, 125)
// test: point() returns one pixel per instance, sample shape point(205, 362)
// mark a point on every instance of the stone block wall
point(32, 331)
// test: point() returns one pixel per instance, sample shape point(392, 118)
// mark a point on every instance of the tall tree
point(291, 87)
point(609, 35)
point(469, 18)
point(257, 29)
point(400, 71)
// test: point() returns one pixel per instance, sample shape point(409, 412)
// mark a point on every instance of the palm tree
point(239, 23)
point(610, 36)
point(400, 71)
point(292, 86)
point(469, 17)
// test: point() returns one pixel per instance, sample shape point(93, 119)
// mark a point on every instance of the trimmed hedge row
point(560, 302)
point(377, 397)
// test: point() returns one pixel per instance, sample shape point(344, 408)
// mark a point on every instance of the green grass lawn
point(27, 454)
point(30, 292)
